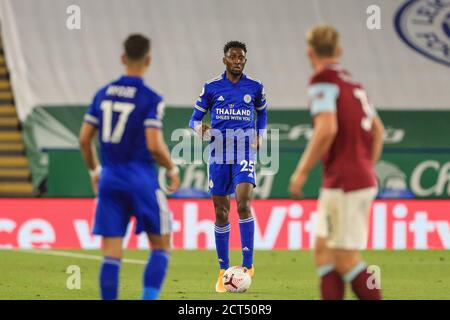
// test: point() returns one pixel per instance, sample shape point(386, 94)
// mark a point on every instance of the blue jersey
point(121, 110)
point(128, 183)
point(232, 105)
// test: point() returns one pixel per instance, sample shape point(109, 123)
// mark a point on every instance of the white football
point(237, 279)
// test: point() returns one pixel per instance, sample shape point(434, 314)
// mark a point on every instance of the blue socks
point(154, 274)
point(109, 278)
point(247, 228)
point(222, 235)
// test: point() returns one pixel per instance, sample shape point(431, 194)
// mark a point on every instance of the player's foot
point(219, 284)
point(251, 271)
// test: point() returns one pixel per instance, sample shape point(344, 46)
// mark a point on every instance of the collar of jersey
point(224, 77)
point(333, 66)
point(131, 79)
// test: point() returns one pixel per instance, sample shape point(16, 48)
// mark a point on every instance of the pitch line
point(76, 255)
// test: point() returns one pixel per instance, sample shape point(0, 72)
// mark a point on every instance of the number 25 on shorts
point(247, 166)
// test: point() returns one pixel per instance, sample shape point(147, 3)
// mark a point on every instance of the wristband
point(95, 172)
point(172, 172)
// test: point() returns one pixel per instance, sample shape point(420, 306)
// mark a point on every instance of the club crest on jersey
point(211, 184)
point(424, 25)
point(247, 98)
point(231, 105)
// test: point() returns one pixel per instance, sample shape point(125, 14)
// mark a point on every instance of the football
point(237, 279)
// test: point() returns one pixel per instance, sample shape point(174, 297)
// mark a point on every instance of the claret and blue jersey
point(232, 107)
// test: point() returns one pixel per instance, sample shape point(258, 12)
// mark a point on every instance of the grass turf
point(282, 275)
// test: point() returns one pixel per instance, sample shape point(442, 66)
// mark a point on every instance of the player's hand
point(204, 131)
point(175, 181)
point(94, 182)
point(257, 142)
point(95, 177)
point(297, 182)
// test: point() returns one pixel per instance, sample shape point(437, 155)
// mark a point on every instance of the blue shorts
point(223, 178)
point(134, 194)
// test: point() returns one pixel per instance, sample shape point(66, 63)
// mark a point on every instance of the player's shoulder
point(151, 93)
point(212, 84)
point(214, 80)
point(254, 83)
point(327, 75)
point(253, 80)
point(103, 89)
point(99, 95)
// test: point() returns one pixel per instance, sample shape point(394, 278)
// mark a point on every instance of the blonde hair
point(323, 40)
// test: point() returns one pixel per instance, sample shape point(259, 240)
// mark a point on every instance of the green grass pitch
point(282, 275)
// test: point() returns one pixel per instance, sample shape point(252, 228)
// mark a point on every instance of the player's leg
point(153, 217)
point(245, 181)
point(331, 284)
point(244, 193)
point(222, 236)
point(156, 269)
point(111, 221)
point(222, 229)
point(110, 268)
point(220, 187)
point(351, 238)
point(354, 271)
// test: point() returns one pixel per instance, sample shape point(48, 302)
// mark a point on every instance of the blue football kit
point(234, 128)
point(129, 180)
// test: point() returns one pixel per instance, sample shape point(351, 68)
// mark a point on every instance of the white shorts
point(343, 217)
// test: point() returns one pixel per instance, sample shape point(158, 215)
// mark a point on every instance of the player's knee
point(342, 266)
point(160, 242)
point(163, 247)
point(244, 210)
point(346, 263)
point(322, 254)
point(221, 215)
point(112, 247)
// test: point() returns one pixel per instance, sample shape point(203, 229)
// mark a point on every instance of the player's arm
point(325, 129)
point(261, 117)
point(200, 110)
point(378, 137)
point(160, 152)
point(323, 98)
point(88, 151)
point(158, 147)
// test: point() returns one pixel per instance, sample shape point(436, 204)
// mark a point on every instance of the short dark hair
point(136, 46)
point(234, 44)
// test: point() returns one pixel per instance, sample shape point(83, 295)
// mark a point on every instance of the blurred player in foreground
point(232, 98)
point(128, 115)
point(348, 137)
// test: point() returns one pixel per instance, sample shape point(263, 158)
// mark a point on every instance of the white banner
point(61, 52)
